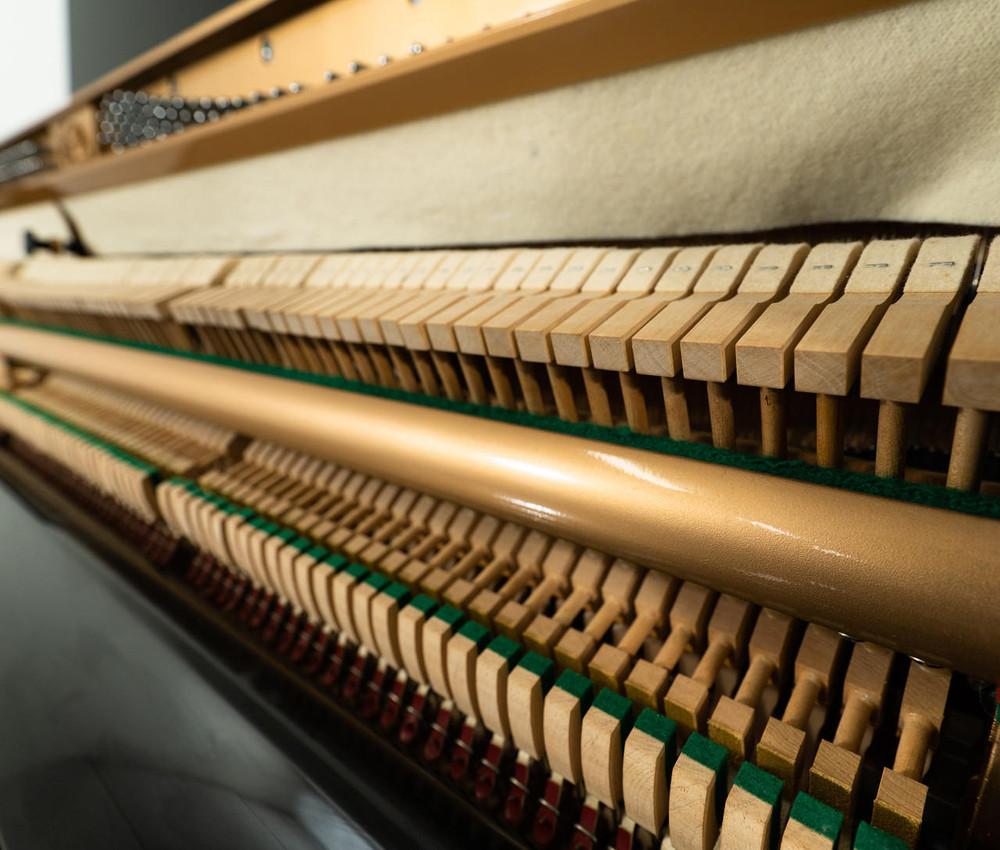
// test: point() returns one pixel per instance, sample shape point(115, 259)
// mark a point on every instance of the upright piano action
point(631, 531)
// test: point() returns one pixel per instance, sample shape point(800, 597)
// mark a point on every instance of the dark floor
point(112, 735)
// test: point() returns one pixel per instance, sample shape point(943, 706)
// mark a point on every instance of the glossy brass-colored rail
point(918, 580)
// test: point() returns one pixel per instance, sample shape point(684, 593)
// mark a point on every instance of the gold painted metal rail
point(919, 580)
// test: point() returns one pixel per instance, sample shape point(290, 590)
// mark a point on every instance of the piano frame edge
point(817, 553)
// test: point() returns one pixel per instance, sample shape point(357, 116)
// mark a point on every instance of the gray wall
point(106, 33)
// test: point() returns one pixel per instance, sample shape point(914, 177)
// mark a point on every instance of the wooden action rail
point(355, 67)
point(703, 344)
point(853, 545)
point(625, 755)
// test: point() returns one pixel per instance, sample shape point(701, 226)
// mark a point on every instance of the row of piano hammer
point(564, 657)
point(616, 336)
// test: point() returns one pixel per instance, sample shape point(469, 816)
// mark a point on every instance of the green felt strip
point(890, 488)
point(301, 543)
point(657, 726)
point(424, 603)
point(452, 616)
point(763, 785)
point(616, 706)
point(578, 686)
point(544, 668)
point(317, 552)
point(398, 591)
point(506, 649)
point(357, 571)
point(766, 788)
point(713, 756)
point(870, 838)
point(376, 581)
point(336, 562)
point(817, 816)
point(705, 752)
point(471, 630)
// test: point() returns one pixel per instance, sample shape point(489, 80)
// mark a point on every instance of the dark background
point(104, 34)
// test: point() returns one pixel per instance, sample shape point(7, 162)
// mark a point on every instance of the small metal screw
point(416, 48)
point(329, 76)
point(266, 50)
point(384, 60)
